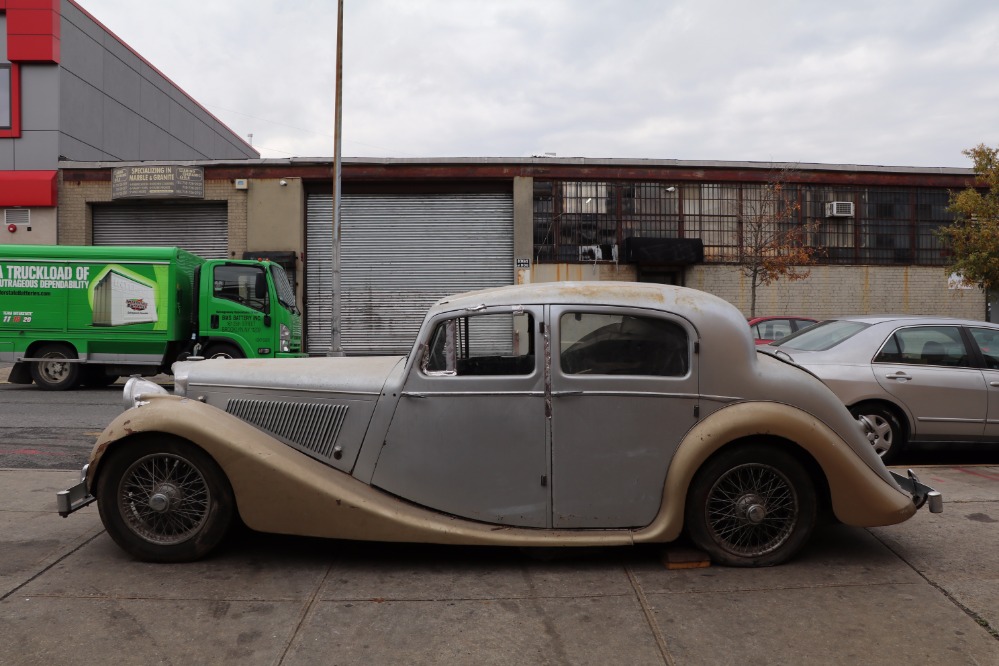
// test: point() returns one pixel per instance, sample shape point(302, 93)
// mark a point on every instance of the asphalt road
point(52, 429)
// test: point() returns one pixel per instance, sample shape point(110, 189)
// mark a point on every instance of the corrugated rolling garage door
point(400, 254)
point(199, 228)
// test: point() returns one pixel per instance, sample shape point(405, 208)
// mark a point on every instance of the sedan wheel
point(164, 501)
point(752, 506)
point(887, 432)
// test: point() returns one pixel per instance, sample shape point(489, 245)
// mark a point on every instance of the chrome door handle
point(898, 375)
point(993, 383)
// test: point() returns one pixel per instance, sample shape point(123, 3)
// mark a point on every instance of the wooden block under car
point(679, 557)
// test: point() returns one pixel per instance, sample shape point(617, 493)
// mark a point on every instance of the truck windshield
point(282, 285)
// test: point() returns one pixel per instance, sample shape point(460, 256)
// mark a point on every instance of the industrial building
point(414, 230)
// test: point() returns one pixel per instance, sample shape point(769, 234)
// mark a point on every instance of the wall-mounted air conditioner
point(839, 209)
point(598, 252)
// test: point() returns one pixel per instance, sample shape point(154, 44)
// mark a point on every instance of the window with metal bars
point(579, 221)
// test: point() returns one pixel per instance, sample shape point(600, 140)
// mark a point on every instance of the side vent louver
point(307, 426)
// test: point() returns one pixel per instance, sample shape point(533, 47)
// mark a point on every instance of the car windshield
point(822, 336)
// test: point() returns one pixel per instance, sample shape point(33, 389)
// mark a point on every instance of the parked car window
point(486, 344)
point(988, 342)
point(822, 336)
point(773, 329)
point(925, 345)
point(611, 344)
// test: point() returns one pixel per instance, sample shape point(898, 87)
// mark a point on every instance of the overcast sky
point(887, 82)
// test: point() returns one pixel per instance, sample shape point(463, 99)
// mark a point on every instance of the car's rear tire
point(753, 505)
point(56, 372)
point(889, 442)
point(164, 500)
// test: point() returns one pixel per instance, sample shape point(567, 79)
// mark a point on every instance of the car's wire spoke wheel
point(752, 509)
point(751, 505)
point(164, 499)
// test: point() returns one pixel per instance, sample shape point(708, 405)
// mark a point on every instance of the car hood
point(355, 375)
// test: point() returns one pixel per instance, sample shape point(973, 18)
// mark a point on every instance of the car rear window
point(822, 336)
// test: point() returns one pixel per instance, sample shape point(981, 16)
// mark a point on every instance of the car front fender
point(861, 496)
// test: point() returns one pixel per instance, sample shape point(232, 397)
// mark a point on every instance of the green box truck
point(75, 314)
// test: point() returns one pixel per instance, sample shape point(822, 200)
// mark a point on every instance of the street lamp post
point(336, 348)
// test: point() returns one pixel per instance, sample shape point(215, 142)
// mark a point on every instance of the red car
point(768, 329)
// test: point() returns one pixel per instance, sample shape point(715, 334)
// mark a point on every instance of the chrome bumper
point(74, 497)
point(921, 493)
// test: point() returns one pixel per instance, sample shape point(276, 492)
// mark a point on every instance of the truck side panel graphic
point(120, 300)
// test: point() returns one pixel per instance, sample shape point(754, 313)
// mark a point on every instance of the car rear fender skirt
point(860, 496)
point(280, 490)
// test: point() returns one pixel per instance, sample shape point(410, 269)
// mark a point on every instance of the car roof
point(627, 294)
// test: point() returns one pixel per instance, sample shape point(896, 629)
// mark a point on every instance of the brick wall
point(76, 215)
point(830, 291)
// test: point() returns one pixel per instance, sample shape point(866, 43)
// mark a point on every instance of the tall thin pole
point(336, 348)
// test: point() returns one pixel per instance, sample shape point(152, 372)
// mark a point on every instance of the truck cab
point(242, 305)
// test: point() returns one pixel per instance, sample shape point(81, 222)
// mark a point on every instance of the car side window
point(987, 340)
point(773, 329)
point(925, 345)
point(616, 344)
point(482, 345)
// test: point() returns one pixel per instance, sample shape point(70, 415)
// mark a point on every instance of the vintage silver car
point(566, 414)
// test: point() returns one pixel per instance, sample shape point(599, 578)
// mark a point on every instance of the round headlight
point(180, 373)
point(136, 387)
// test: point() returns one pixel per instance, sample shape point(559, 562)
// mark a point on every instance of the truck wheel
point(224, 351)
point(751, 506)
point(164, 500)
point(55, 373)
point(95, 376)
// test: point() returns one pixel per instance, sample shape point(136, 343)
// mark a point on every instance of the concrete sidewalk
point(923, 592)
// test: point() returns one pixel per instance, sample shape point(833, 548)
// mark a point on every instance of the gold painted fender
point(860, 496)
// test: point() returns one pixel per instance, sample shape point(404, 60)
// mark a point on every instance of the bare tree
point(774, 240)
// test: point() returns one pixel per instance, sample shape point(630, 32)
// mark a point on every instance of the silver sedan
point(916, 379)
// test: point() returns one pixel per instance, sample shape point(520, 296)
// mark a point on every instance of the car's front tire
point(164, 500)
point(753, 505)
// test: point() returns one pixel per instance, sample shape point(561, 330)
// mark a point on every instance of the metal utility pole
point(335, 343)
